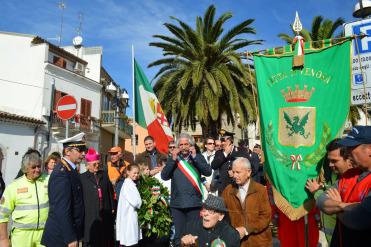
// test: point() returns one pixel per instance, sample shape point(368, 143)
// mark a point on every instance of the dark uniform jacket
point(66, 207)
point(222, 230)
point(144, 158)
point(223, 163)
point(183, 194)
point(99, 220)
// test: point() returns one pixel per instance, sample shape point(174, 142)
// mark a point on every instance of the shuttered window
point(85, 107)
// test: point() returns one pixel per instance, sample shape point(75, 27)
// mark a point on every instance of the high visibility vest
point(27, 202)
point(113, 172)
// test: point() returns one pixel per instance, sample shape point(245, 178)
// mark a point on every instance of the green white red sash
point(191, 174)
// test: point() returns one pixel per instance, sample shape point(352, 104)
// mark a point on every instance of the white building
point(34, 75)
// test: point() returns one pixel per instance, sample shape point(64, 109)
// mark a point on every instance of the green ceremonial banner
point(301, 110)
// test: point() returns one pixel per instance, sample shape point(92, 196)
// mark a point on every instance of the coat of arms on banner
point(297, 126)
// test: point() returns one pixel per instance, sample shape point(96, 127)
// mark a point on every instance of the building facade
point(35, 74)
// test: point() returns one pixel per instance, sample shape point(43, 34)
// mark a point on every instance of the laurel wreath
point(310, 159)
point(154, 214)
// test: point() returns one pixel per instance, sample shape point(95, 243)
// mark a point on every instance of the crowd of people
point(219, 197)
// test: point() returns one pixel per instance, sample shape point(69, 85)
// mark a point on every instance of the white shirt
point(211, 156)
point(70, 162)
point(243, 190)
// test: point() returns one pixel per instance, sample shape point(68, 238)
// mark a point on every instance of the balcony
point(108, 123)
point(79, 123)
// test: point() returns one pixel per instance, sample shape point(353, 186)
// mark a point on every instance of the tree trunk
point(210, 129)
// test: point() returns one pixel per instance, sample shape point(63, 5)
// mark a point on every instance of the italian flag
point(148, 111)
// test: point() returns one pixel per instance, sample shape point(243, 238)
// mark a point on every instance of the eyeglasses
point(171, 147)
point(211, 143)
point(95, 164)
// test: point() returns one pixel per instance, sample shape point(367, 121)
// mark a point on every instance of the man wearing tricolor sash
point(185, 168)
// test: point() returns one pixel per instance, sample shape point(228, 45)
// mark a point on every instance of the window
point(57, 96)
point(59, 61)
point(85, 107)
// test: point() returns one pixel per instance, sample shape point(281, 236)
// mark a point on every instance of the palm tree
point(202, 75)
point(321, 29)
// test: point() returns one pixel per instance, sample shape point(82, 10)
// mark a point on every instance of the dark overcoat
point(183, 193)
point(99, 220)
point(66, 207)
point(222, 230)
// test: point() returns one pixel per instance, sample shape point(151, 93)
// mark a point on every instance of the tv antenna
point(62, 6)
point(77, 41)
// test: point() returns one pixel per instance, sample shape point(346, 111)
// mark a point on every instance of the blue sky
point(117, 24)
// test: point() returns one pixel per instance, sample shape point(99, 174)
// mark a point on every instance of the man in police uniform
point(64, 226)
point(26, 201)
point(223, 159)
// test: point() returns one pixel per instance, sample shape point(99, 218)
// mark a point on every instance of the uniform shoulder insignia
point(65, 166)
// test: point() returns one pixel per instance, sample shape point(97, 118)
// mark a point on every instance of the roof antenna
point(77, 41)
point(62, 6)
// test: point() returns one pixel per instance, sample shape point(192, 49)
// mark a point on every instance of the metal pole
point(67, 126)
point(133, 137)
point(117, 117)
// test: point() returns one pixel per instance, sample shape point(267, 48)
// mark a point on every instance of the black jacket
point(222, 230)
point(66, 207)
point(223, 163)
point(99, 220)
point(183, 194)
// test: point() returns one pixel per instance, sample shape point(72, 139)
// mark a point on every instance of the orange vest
point(114, 173)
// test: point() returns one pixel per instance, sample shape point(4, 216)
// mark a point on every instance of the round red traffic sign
point(66, 107)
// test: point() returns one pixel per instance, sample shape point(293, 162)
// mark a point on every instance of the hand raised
point(188, 240)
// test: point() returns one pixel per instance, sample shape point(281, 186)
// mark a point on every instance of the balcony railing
point(108, 118)
point(81, 122)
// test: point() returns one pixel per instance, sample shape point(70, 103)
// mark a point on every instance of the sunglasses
point(35, 166)
point(171, 147)
point(211, 143)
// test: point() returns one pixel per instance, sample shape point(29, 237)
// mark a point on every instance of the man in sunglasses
point(223, 159)
point(64, 226)
point(25, 200)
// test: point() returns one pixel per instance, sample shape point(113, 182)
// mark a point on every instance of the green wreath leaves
point(154, 214)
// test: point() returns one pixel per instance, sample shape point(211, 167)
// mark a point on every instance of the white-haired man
point(248, 206)
point(185, 168)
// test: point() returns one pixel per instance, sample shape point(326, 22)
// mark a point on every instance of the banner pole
point(133, 81)
point(363, 78)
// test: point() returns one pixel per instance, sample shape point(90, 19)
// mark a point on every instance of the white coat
point(127, 225)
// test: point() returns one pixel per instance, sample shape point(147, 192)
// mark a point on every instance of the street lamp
point(112, 89)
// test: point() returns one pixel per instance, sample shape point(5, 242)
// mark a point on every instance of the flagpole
point(134, 123)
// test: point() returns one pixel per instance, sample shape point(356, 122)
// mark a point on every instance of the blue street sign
point(358, 79)
point(364, 44)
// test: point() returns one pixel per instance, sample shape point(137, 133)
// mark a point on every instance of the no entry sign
point(66, 107)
